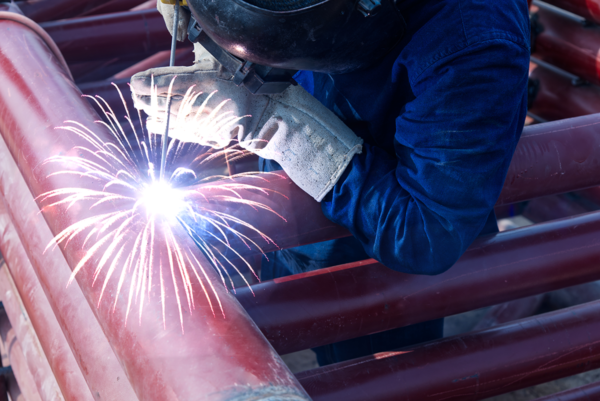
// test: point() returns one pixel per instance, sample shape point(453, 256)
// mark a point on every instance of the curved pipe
point(10, 16)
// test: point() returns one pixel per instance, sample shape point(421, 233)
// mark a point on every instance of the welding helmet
point(330, 36)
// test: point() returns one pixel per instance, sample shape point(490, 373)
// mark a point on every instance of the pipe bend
point(29, 23)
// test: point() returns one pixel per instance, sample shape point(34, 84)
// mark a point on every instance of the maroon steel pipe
point(183, 57)
point(103, 373)
point(219, 358)
point(53, 342)
point(585, 393)
point(49, 10)
point(112, 6)
point(473, 366)
point(588, 9)
point(148, 5)
point(568, 45)
point(347, 301)
point(553, 158)
point(557, 98)
point(36, 361)
point(129, 33)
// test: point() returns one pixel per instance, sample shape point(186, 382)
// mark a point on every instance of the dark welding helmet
point(330, 36)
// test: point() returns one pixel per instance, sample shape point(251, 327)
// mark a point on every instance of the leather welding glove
point(168, 13)
point(310, 143)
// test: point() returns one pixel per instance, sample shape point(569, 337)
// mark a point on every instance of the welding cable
point(21, 19)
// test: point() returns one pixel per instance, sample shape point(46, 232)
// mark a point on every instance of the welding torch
point(165, 144)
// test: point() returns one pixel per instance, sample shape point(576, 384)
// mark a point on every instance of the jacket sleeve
point(417, 213)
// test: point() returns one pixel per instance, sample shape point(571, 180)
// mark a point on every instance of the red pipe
point(588, 9)
point(297, 312)
point(221, 358)
point(473, 366)
point(113, 6)
point(36, 361)
point(148, 5)
point(53, 342)
point(129, 33)
point(585, 393)
point(568, 45)
point(183, 57)
point(553, 158)
point(97, 362)
point(49, 10)
point(556, 97)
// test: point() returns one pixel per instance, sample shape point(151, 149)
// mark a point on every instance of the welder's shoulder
point(489, 20)
point(452, 27)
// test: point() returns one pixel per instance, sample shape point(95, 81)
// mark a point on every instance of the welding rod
point(165, 144)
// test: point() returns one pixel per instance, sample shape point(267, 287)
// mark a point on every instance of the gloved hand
point(168, 13)
point(293, 128)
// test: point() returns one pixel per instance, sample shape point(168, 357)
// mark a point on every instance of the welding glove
point(168, 13)
point(310, 143)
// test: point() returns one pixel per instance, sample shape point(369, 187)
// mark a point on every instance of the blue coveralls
point(440, 116)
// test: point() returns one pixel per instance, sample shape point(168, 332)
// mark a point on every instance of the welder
point(403, 121)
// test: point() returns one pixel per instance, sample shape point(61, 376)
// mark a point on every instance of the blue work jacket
point(441, 116)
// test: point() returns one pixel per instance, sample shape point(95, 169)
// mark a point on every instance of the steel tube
point(219, 358)
point(104, 375)
point(49, 10)
point(568, 45)
point(36, 361)
point(558, 98)
point(347, 301)
point(553, 158)
point(129, 33)
point(473, 366)
point(112, 6)
point(588, 9)
point(585, 393)
point(52, 340)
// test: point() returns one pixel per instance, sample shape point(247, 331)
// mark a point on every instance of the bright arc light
point(159, 198)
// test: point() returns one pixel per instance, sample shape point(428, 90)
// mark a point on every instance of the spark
point(129, 234)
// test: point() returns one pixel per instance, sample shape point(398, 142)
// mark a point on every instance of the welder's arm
point(418, 213)
point(293, 128)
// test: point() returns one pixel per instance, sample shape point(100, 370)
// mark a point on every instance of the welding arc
point(165, 143)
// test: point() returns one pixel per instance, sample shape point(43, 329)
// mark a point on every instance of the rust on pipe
point(36, 361)
point(220, 358)
point(589, 392)
point(129, 33)
point(27, 388)
point(588, 9)
point(557, 97)
point(55, 346)
point(568, 45)
point(473, 366)
point(347, 301)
